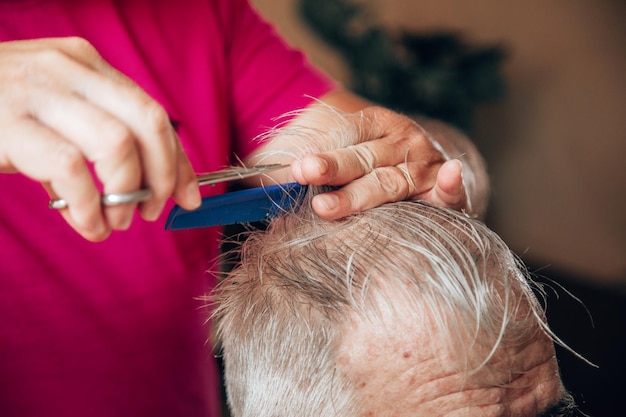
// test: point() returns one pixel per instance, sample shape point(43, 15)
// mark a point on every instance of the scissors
point(211, 178)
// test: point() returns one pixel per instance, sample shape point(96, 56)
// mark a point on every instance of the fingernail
point(193, 194)
point(99, 229)
point(459, 164)
point(322, 165)
point(328, 201)
point(296, 171)
point(152, 211)
point(126, 221)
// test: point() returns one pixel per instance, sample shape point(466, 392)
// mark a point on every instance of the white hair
point(280, 314)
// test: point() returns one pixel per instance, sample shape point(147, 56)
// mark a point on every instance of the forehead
point(391, 340)
point(397, 363)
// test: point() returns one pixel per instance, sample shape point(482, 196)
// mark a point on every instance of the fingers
point(337, 167)
point(60, 166)
point(99, 138)
point(391, 159)
point(155, 142)
point(186, 190)
point(165, 168)
point(450, 190)
point(343, 165)
point(390, 184)
point(380, 138)
point(384, 185)
point(70, 109)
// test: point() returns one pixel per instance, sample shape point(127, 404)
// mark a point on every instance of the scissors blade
point(211, 178)
point(236, 173)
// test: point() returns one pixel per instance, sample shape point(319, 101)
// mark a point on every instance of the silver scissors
point(211, 178)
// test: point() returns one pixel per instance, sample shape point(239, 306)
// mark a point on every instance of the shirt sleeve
point(268, 78)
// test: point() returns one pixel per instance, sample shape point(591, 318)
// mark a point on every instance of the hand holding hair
point(394, 159)
point(379, 156)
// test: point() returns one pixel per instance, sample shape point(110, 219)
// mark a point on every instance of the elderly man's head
point(403, 310)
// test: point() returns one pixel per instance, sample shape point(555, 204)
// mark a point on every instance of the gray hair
point(280, 315)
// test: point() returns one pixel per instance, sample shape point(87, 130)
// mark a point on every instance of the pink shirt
point(114, 328)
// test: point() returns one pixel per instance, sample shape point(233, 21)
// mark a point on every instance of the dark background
point(595, 327)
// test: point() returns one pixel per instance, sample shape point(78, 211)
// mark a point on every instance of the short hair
point(281, 314)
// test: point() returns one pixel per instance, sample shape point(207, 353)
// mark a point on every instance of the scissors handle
point(112, 199)
point(211, 178)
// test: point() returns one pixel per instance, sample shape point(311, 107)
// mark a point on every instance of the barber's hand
point(62, 106)
point(394, 160)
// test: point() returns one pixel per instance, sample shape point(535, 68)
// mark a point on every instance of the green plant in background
point(434, 74)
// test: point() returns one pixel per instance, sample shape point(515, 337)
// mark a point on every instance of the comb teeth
point(246, 206)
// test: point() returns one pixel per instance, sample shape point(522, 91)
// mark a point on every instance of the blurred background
point(540, 87)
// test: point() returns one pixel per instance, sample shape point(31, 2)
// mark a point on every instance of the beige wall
point(556, 146)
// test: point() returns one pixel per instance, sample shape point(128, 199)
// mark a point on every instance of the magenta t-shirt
point(115, 328)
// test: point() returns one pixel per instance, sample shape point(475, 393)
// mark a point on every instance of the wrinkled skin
point(406, 370)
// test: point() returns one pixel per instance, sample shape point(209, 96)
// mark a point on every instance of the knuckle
point(352, 200)
point(376, 112)
point(119, 139)
point(70, 159)
point(407, 145)
point(16, 97)
point(79, 44)
point(392, 181)
point(364, 157)
point(433, 151)
point(414, 138)
point(52, 57)
point(157, 118)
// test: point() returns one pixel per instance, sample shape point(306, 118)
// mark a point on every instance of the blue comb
point(246, 206)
